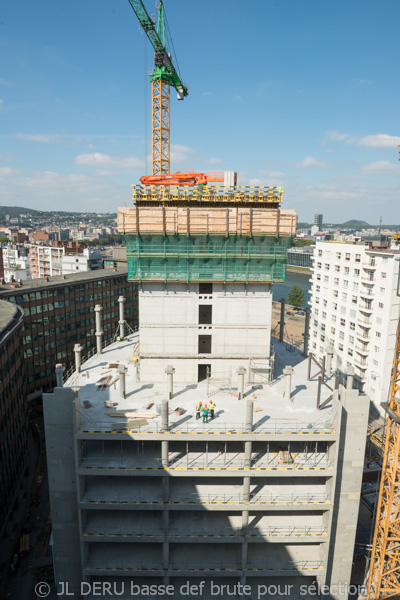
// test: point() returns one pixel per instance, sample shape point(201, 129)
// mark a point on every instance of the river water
point(281, 290)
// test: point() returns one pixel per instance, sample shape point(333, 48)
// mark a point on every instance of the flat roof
point(272, 412)
point(10, 315)
point(61, 280)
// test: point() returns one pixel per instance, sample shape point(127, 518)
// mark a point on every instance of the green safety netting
point(206, 258)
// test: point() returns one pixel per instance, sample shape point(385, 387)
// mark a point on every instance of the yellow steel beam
point(384, 579)
point(160, 127)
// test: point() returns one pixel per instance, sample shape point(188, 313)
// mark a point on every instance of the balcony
point(369, 265)
point(367, 308)
point(362, 349)
point(363, 336)
point(360, 361)
point(366, 293)
point(368, 279)
point(364, 322)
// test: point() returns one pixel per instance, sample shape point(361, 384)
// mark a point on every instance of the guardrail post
point(59, 374)
point(121, 321)
point(99, 333)
point(78, 357)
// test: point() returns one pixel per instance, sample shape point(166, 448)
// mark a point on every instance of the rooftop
point(102, 408)
point(10, 315)
point(61, 280)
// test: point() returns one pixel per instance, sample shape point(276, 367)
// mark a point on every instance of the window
point(333, 330)
point(315, 323)
point(333, 318)
point(318, 277)
point(383, 275)
point(352, 326)
point(346, 270)
point(344, 297)
point(318, 288)
point(324, 315)
point(341, 335)
point(323, 327)
point(358, 257)
point(327, 266)
point(319, 252)
point(342, 310)
point(338, 255)
point(379, 320)
point(314, 334)
point(350, 351)
point(334, 306)
point(342, 322)
point(356, 272)
point(335, 293)
point(346, 283)
point(355, 286)
point(316, 311)
point(319, 265)
point(340, 347)
point(336, 281)
point(347, 256)
point(351, 339)
point(322, 338)
point(354, 299)
point(337, 268)
point(375, 363)
point(381, 290)
point(324, 302)
point(376, 348)
point(326, 279)
point(378, 334)
point(380, 304)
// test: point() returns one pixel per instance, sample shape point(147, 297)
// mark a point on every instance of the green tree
point(296, 296)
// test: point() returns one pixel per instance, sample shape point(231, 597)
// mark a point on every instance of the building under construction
point(144, 493)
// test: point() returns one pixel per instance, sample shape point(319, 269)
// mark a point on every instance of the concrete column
point(122, 371)
point(170, 380)
point(241, 371)
point(249, 416)
point(247, 455)
point(121, 321)
point(246, 492)
point(99, 334)
point(244, 555)
point(350, 378)
point(164, 454)
point(165, 554)
point(59, 375)
point(329, 359)
point(282, 321)
point(306, 331)
point(164, 415)
point(78, 357)
point(288, 372)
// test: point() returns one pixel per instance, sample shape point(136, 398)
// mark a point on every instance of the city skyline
point(311, 105)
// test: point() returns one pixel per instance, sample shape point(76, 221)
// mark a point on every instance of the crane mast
point(163, 76)
point(384, 569)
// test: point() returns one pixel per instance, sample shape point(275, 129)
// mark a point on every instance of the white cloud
point(7, 172)
point(40, 138)
point(238, 98)
point(4, 81)
point(336, 136)
point(1, 101)
point(105, 161)
point(181, 153)
point(276, 174)
point(207, 94)
point(214, 161)
point(312, 162)
point(380, 167)
point(380, 140)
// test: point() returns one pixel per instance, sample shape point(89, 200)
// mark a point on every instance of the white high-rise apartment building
point(355, 309)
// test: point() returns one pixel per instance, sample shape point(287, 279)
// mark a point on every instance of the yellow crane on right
point(384, 567)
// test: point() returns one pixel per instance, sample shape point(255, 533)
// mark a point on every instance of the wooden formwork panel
point(203, 221)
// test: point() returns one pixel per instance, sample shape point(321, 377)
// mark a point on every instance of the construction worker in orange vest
point(199, 406)
point(212, 408)
point(205, 414)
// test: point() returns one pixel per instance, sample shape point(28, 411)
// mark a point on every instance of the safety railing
point(208, 499)
point(210, 462)
point(272, 426)
point(199, 565)
point(276, 531)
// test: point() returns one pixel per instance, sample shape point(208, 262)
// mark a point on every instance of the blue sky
point(299, 94)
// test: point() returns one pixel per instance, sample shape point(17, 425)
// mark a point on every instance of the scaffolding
point(206, 258)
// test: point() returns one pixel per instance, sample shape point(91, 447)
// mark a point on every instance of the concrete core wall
point(187, 325)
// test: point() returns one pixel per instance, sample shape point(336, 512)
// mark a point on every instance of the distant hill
point(15, 211)
point(353, 223)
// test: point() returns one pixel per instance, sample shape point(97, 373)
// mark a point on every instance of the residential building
point(59, 312)
point(301, 257)
point(355, 310)
point(45, 261)
point(16, 263)
point(89, 259)
point(13, 410)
